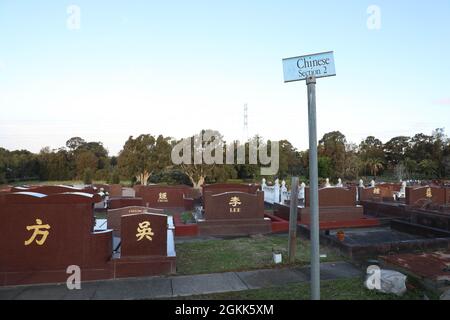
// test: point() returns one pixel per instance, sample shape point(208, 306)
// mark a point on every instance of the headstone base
point(240, 227)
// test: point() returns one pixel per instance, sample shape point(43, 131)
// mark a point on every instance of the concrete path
point(176, 286)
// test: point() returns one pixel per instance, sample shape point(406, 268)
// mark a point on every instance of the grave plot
point(233, 213)
point(172, 198)
point(432, 269)
point(337, 209)
point(190, 224)
point(42, 235)
point(424, 205)
point(147, 246)
point(398, 237)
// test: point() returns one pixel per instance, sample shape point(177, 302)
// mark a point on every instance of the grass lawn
point(341, 289)
point(241, 254)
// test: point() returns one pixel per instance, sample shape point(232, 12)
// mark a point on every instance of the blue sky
point(175, 67)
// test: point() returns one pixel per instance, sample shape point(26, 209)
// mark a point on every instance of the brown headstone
point(414, 195)
point(114, 216)
point(143, 235)
point(334, 197)
point(41, 235)
point(157, 196)
point(234, 213)
point(116, 203)
point(370, 193)
point(115, 190)
point(234, 205)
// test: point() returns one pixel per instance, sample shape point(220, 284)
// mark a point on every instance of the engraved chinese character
point(234, 201)
point(39, 229)
point(376, 191)
point(144, 230)
point(429, 195)
point(162, 197)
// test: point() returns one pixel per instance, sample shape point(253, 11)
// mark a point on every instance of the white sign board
point(299, 68)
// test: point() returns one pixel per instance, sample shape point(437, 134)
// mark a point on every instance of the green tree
point(54, 164)
point(324, 165)
point(395, 150)
point(290, 162)
point(207, 141)
point(371, 148)
point(374, 166)
point(143, 156)
point(84, 160)
point(332, 145)
point(74, 143)
point(428, 168)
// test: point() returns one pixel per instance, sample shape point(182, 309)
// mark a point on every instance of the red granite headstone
point(115, 190)
point(334, 197)
point(40, 236)
point(157, 196)
point(143, 235)
point(233, 213)
point(414, 195)
point(335, 204)
point(114, 216)
point(116, 203)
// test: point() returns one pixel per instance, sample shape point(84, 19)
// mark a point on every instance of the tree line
point(147, 159)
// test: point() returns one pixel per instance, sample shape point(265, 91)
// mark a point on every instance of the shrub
point(186, 217)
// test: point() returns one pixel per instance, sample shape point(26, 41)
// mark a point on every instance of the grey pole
point(313, 189)
point(292, 242)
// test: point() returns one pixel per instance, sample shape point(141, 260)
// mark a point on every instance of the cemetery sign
point(309, 68)
point(299, 68)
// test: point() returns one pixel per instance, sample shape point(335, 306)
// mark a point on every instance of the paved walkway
point(175, 286)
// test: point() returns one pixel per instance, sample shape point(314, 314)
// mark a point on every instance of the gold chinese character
point(38, 232)
point(162, 197)
point(144, 230)
point(429, 195)
point(376, 191)
point(234, 201)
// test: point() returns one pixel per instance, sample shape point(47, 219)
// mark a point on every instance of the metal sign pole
point(313, 189)
point(309, 68)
